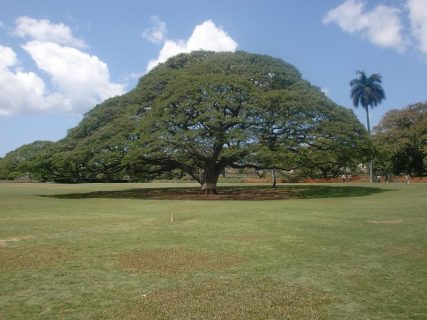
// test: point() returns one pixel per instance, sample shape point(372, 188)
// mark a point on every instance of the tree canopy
point(401, 141)
point(19, 162)
point(198, 113)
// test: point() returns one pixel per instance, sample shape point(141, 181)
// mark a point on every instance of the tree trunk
point(209, 188)
point(209, 181)
point(273, 177)
point(371, 165)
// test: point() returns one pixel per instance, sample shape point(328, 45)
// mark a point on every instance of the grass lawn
point(110, 251)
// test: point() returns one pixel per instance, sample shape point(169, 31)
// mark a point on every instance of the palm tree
point(368, 92)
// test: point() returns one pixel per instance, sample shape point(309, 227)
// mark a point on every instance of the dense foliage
point(401, 141)
point(201, 112)
point(19, 162)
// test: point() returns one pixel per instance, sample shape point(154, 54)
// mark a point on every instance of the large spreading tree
point(201, 112)
point(401, 140)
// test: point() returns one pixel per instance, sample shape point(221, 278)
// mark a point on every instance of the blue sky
point(59, 58)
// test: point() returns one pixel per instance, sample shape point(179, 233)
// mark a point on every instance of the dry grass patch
point(4, 242)
point(176, 260)
point(231, 299)
point(396, 221)
point(25, 258)
point(407, 251)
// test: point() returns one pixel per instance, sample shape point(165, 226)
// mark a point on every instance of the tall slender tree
point(367, 92)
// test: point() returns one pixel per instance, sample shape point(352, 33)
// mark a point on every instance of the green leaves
point(20, 162)
point(201, 112)
point(401, 141)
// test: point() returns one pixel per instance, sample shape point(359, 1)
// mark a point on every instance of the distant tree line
point(400, 141)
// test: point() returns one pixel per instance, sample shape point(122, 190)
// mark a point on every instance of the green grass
point(98, 251)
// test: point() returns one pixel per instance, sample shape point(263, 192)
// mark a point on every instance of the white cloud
point(170, 49)
point(157, 32)
point(206, 36)
point(82, 79)
point(21, 90)
point(1, 24)
point(44, 30)
point(7, 57)
point(78, 80)
point(382, 25)
point(418, 17)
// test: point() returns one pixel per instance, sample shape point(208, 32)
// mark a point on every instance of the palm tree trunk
point(371, 164)
point(367, 120)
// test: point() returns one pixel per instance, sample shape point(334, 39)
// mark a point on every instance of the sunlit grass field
point(110, 251)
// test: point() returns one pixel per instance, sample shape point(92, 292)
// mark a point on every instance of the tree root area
point(230, 193)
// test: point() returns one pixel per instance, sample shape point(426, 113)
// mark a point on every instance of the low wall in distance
point(394, 179)
point(400, 179)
